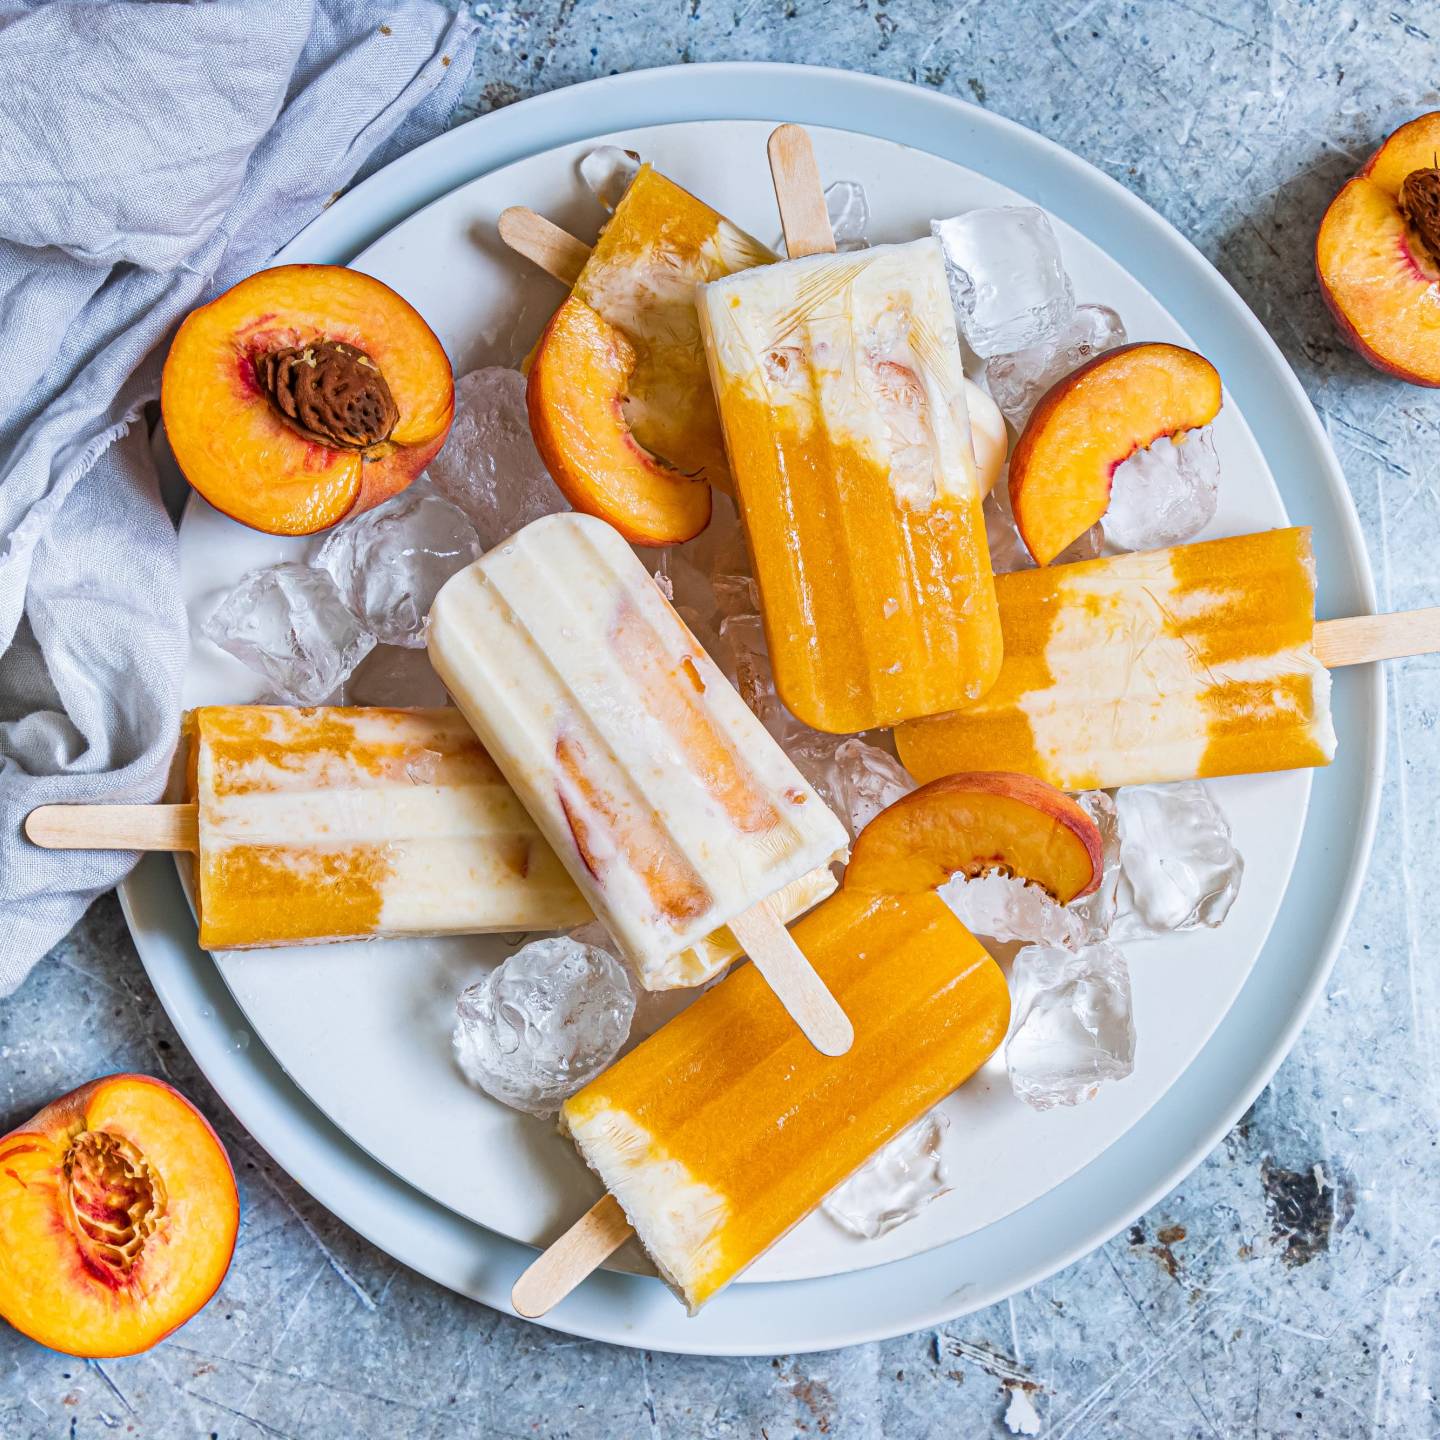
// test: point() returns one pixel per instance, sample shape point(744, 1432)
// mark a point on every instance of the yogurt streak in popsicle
point(666, 799)
point(1169, 665)
point(842, 400)
point(726, 1128)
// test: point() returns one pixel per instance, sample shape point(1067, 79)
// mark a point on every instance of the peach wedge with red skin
point(1377, 255)
point(974, 824)
point(576, 393)
point(1088, 424)
point(118, 1217)
point(303, 395)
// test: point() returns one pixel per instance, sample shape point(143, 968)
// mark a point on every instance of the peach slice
point(1377, 255)
point(978, 823)
point(1092, 421)
point(305, 394)
point(579, 378)
point(118, 1216)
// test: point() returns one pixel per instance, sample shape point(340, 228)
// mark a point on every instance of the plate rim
point(737, 90)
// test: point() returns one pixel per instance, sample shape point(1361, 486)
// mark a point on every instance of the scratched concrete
point(1288, 1287)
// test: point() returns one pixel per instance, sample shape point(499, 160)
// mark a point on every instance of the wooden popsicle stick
point(115, 827)
point(1363, 638)
point(591, 1240)
point(554, 250)
point(790, 975)
point(798, 192)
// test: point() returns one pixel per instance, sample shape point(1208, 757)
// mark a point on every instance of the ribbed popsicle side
point(658, 246)
point(726, 1127)
point(341, 823)
point(842, 399)
point(666, 799)
point(1168, 665)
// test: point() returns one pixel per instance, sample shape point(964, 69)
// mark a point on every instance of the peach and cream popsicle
point(725, 1129)
point(1173, 664)
point(842, 400)
point(668, 802)
point(343, 823)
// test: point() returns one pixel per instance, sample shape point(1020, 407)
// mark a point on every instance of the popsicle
point(724, 1130)
point(345, 823)
point(669, 803)
point(842, 401)
point(1167, 665)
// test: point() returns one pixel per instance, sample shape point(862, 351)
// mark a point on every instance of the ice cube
point(1096, 912)
point(849, 213)
point(543, 1023)
point(1004, 908)
point(1006, 279)
point(396, 675)
point(607, 172)
point(1165, 494)
point(1070, 1023)
point(1179, 868)
point(856, 780)
point(489, 465)
point(746, 661)
point(895, 1184)
point(390, 562)
point(1017, 380)
point(290, 623)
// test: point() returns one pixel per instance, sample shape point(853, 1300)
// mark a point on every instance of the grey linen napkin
point(154, 153)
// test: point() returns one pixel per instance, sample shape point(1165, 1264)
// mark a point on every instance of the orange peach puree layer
point(875, 610)
point(734, 1093)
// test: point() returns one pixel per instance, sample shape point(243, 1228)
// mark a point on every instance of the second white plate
point(364, 1029)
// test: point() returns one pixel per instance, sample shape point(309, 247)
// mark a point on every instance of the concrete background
point(1287, 1288)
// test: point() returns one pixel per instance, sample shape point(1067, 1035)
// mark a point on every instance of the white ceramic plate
point(1190, 978)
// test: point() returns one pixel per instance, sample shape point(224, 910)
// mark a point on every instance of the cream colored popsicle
point(332, 823)
point(1169, 665)
point(669, 803)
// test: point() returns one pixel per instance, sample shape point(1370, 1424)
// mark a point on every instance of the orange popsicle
point(725, 1128)
point(1169, 665)
point(842, 399)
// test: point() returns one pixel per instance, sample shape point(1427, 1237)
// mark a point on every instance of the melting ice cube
point(1070, 1023)
point(856, 779)
point(895, 1184)
point(1017, 380)
point(290, 623)
point(1179, 865)
point(1164, 494)
point(489, 465)
point(543, 1023)
point(390, 562)
point(1006, 278)
point(849, 213)
point(1005, 908)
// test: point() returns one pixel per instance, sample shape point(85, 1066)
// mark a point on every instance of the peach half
point(1088, 424)
point(1377, 255)
point(579, 378)
point(118, 1217)
point(980, 823)
point(305, 394)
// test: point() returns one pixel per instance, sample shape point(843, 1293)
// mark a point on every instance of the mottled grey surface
point(1288, 1287)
